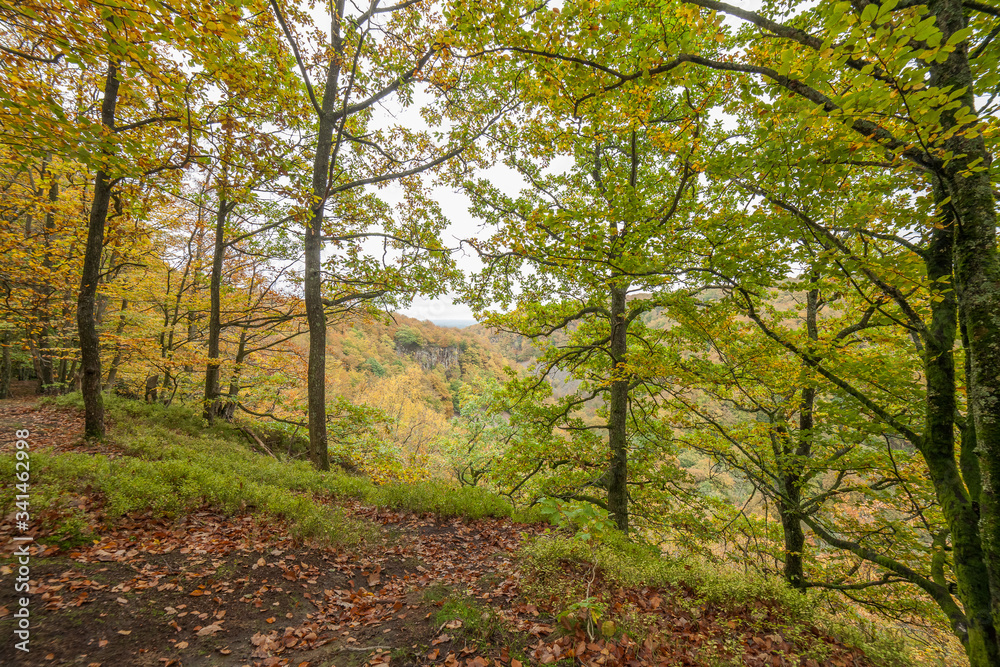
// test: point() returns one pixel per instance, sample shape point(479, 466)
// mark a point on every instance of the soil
point(213, 590)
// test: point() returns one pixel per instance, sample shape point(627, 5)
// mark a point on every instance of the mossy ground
point(329, 568)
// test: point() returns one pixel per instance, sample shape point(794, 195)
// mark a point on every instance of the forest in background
point(744, 261)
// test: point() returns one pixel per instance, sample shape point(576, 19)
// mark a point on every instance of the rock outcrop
point(429, 356)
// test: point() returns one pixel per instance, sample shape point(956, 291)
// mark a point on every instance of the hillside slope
point(172, 544)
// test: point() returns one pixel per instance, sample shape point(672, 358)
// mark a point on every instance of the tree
point(133, 137)
point(375, 55)
point(583, 254)
point(890, 85)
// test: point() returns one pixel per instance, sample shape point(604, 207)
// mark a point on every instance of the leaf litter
point(208, 589)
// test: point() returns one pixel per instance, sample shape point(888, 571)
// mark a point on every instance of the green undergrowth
point(630, 564)
point(175, 463)
point(463, 616)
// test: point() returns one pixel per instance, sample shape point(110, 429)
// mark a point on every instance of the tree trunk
point(5, 367)
point(791, 464)
point(228, 410)
point(938, 449)
point(618, 413)
point(977, 274)
point(315, 313)
point(46, 376)
point(117, 360)
point(211, 403)
point(90, 348)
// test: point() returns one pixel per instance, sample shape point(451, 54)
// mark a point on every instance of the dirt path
point(213, 590)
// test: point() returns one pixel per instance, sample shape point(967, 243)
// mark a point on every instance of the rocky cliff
point(429, 356)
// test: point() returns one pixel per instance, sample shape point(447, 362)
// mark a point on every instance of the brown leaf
point(124, 632)
point(453, 625)
point(225, 651)
point(181, 645)
point(208, 630)
point(440, 639)
point(270, 620)
point(433, 655)
point(101, 643)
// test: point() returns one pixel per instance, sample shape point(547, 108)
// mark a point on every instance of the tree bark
point(117, 360)
point(211, 402)
point(938, 448)
point(46, 376)
point(315, 312)
point(228, 410)
point(792, 454)
point(5, 366)
point(618, 412)
point(977, 273)
point(90, 348)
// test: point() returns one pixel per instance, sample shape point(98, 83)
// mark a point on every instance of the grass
point(177, 463)
point(629, 564)
point(475, 622)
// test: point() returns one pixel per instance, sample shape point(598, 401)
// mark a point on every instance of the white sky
point(456, 206)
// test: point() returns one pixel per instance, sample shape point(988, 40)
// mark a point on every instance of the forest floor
point(206, 589)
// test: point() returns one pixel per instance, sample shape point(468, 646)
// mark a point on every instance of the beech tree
point(582, 254)
point(889, 84)
point(139, 130)
point(375, 55)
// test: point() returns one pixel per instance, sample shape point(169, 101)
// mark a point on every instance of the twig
point(260, 443)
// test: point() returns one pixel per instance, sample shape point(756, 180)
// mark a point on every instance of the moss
point(632, 564)
point(177, 463)
point(474, 621)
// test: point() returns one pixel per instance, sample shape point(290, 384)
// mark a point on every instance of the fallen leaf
point(433, 655)
point(50, 656)
point(121, 601)
point(440, 639)
point(101, 643)
point(181, 645)
point(452, 625)
point(224, 651)
point(124, 632)
point(270, 620)
point(208, 630)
